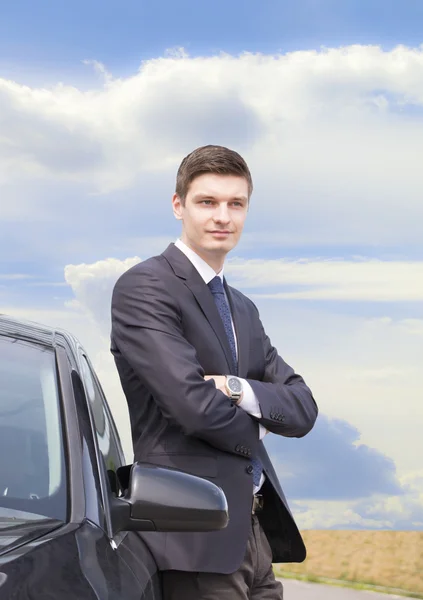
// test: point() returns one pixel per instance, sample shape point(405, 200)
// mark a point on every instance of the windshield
point(32, 467)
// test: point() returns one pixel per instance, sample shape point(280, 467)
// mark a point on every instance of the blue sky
point(121, 34)
point(99, 104)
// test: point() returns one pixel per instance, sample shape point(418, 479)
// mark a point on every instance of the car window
point(106, 434)
point(32, 465)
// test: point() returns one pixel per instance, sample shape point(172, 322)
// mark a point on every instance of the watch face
point(235, 385)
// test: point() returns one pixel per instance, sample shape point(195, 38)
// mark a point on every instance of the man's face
point(214, 214)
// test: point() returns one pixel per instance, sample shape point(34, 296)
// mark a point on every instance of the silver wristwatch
point(234, 387)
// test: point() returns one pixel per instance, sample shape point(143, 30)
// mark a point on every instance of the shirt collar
point(204, 269)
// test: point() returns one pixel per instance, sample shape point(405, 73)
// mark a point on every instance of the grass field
point(393, 559)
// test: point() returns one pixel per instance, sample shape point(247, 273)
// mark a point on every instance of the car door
point(127, 552)
point(41, 532)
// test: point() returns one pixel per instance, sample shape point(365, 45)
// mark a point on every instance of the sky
point(100, 102)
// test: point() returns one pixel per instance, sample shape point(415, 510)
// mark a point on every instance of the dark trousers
point(254, 580)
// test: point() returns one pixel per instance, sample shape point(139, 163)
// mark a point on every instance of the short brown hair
point(210, 159)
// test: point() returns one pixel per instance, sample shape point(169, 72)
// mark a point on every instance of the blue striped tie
point(216, 288)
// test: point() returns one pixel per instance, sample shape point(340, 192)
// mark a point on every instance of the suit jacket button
point(249, 469)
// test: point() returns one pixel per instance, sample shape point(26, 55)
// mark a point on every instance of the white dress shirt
point(249, 401)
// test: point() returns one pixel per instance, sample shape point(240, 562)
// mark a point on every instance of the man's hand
point(219, 382)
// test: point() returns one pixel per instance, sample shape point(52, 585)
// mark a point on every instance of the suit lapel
point(184, 269)
point(240, 318)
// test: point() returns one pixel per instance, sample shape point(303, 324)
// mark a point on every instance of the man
point(204, 385)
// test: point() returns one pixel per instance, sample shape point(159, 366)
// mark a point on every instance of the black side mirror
point(164, 499)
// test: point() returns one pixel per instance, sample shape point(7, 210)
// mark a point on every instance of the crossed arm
point(282, 403)
point(247, 402)
point(147, 329)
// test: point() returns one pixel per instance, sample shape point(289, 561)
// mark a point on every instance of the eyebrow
point(204, 196)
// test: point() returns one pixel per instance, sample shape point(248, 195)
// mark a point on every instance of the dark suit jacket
point(166, 335)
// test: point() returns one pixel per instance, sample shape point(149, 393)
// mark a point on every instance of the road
point(300, 590)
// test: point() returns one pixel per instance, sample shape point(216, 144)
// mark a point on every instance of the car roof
point(32, 331)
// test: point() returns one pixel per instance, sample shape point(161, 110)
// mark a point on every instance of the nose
point(221, 214)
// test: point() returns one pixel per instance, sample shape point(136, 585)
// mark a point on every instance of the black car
point(70, 507)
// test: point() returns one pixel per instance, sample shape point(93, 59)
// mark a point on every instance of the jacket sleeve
point(287, 405)
point(147, 330)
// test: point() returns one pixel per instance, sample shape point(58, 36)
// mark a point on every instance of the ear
point(177, 207)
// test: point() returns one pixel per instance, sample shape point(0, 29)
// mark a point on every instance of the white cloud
point(323, 514)
point(376, 512)
point(413, 326)
point(331, 279)
point(49, 316)
point(14, 276)
point(92, 285)
point(333, 150)
point(343, 358)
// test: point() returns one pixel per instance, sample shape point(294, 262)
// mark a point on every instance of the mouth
point(219, 233)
